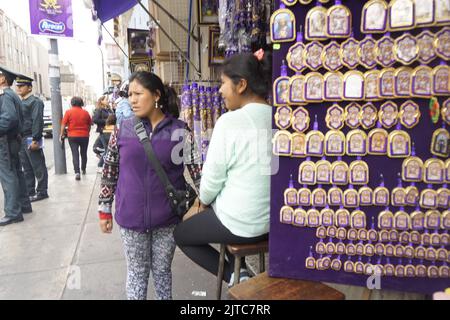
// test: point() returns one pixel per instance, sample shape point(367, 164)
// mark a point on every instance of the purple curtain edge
point(106, 9)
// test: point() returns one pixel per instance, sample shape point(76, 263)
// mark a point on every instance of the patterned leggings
point(147, 252)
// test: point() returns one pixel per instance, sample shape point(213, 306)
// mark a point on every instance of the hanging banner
point(51, 18)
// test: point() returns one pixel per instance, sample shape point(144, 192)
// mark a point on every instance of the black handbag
point(180, 200)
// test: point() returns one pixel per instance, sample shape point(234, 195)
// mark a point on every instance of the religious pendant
point(385, 220)
point(313, 218)
point(402, 221)
point(445, 113)
point(384, 237)
point(358, 220)
point(377, 141)
point(295, 56)
point(314, 143)
point(320, 247)
point(428, 199)
point(412, 195)
point(334, 143)
point(342, 218)
point(381, 196)
point(323, 172)
point(316, 23)
point(421, 271)
point(336, 264)
point(339, 23)
point(374, 17)
point(426, 240)
point(283, 117)
point(409, 114)
point(349, 265)
point(387, 83)
point(372, 85)
point(339, 170)
point(304, 197)
point(298, 145)
point(440, 143)
point(398, 197)
point(340, 248)
point(313, 55)
point(442, 12)
point(356, 143)
point(319, 197)
point(430, 254)
point(353, 85)
point(331, 56)
point(296, 92)
point(445, 222)
point(442, 43)
point(350, 250)
point(447, 170)
point(412, 169)
point(443, 195)
point(404, 237)
point(307, 173)
point(432, 219)
point(310, 262)
point(299, 218)
point(389, 250)
point(313, 87)
point(321, 232)
point(398, 251)
point(330, 248)
point(327, 217)
point(422, 82)
point(290, 194)
point(281, 87)
point(368, 116)
point(305, 1)
point(385, 51)
point(424, 12)
point(425, 42)
point(286, 215)
point(393, 235)
point(352, 112)
point(410, 270)
point(282, 26)
point(399, 144)
point(367, 52)
point(388, 114)
point(369, 250)
point(403, 77)
point(435, 240)
point(441, 79)
point(341, 233)
point(389, 269)
point(333, 86)
point(289, 2)
point(359, 173)
point(335, 197)
point(352, 234)
point(406, 49)
point(349, 53)
point(282, 143)
point(331, 231)
point(335, 117)
point(417, 223)
point(365, 196)
point(434, 171)
point(359, 248)
point(409, 252)
point(401, 15)
point(351, 199)
point(300, 119)
point(444, 271)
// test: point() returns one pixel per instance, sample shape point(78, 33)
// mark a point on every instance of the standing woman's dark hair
point(257, 73)
point(154, 84)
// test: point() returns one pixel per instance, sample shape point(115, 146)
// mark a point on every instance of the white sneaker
point(244, 276)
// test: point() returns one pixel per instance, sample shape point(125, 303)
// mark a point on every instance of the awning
point(108, 9)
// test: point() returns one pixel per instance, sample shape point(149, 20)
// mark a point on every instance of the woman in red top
point(79, 124)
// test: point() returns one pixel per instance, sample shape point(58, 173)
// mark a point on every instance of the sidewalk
point(58, 252)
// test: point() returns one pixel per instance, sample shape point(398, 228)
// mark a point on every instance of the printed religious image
point(339, 22)
point(282, 143)
point(138, 44)
point(412, 169)
point(283, 26)
point(316, 23)
point(298, 145)
point(378, 141)
point(208, 11)
point(356, 143)
point(374, 17)
point(333, 86)
point(399, 144)
point(334, 143)
point(216, 56)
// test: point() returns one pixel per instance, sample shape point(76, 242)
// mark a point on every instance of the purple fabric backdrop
point(53, 21)
point(289, 245)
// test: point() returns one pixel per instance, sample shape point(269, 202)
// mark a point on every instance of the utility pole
point(59, 150)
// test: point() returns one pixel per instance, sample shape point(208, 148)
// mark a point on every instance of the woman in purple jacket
point(142, 207)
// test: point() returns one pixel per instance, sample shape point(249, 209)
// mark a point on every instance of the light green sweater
point(236, 174)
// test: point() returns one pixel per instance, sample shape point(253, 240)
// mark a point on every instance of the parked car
point(48, 125)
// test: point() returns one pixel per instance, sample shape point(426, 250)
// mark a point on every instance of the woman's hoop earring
point(156, 105)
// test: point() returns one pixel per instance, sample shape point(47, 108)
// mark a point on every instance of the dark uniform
point(33, 161)
point(16, 201)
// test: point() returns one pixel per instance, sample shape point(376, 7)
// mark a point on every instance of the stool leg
point(237, 269)
point(220, 272)
point(262, 262)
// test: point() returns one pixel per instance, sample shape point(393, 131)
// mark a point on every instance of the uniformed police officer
point(31, 154)
point(16, 201)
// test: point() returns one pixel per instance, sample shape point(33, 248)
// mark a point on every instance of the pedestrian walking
point(31, 154)
point(16, 201)
point(123, 106)
point(142, 208)
point(101, 113)
point(78, 122)
point(106, 135)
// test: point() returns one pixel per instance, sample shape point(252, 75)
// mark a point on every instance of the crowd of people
point(145, 152)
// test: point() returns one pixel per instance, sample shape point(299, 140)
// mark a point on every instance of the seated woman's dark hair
point(154, 84)
point(76, 102)
point(257, 73)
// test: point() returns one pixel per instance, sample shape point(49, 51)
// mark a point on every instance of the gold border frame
point(422, 195)
point(360, 191)
point(395, 190)
point(402, 111)
point(324, 55)
point(413, 77)
point(366, 168)
point(380, 85)
point(289, 54)
point(396, 73)
point(381, 216)
point(341, 89)
point(361, 62)
point(358, 213)
point(396, 49)
point(353, 40)
point(346, 76)
point(293, 21)
point(328, 116)
point(307, 78)
point(381, 189)
point(329, 196)
point(367, 74)
point(369, 138)
point(350, 20)
point(293, 135)
point(282, 220)
point(277, 116)
point(352, 104)
point(372, 106)
point(439, 191)
point(392, 135)
point(405, 163)
point(315, 192)
point(277, 134)
point(300, 169)
point(381, 113)
point(285, 196)
point(418, 38)
point(348, 137)
point(433, 138)
point(346, 192)
point(308, 136)
point(435, 71)
point(445, 30)
point(377, 52)
point(363, 14)
point(440, 23)
point(274, 91)
point(297, 212)
point(433, 12)
point(328, 164)
point(328, 135)
point(308, 19)
point(305, 54)
point(309, 196)
point(333, 167)
point(408, 27)
point(308, 119)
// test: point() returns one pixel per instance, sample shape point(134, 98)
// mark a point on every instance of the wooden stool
point(239, 251)
point(263, 287)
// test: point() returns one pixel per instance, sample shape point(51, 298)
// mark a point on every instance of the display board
point(368, 86)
